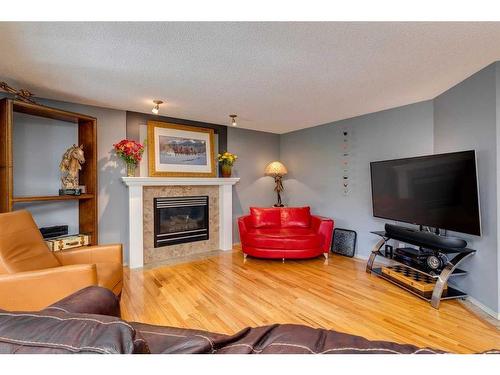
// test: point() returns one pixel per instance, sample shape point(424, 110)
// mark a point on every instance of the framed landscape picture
point(180, 151)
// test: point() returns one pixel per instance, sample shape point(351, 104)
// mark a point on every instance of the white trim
point(226, 217)
point(135, 227)
point(486, 309)
point(361, 256)
point(173, 181)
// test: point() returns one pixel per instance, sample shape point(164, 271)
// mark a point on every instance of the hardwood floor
point(224, 294)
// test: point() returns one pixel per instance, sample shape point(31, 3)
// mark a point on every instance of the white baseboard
point(484, 308)
point(362, 257)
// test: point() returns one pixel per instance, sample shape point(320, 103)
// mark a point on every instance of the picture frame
point(180, 151)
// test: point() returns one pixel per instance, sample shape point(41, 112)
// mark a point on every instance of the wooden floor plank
point(225, 294)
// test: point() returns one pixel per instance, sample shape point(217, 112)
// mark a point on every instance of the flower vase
point(131, 169)
point(226, 170)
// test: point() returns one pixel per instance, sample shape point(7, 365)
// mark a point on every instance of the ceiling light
point(156, 107)
point(233, 120)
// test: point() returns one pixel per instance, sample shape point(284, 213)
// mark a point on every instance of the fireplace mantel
point(178, 181)
point(135, 194)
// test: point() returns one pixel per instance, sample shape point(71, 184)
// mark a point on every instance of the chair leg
point(283, 260)
point(245, 256)
point(326, 259)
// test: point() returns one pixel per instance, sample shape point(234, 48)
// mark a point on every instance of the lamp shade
point(275, 168)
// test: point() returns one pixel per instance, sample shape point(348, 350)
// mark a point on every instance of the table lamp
point(277, 170)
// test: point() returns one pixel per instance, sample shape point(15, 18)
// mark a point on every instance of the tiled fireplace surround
point(158, 254)
point(142, 191)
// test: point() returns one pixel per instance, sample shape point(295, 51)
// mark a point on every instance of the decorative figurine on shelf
point(277, 170)
point(131, 153)
point(226, 161)
point(21, 94)
point(71, 164)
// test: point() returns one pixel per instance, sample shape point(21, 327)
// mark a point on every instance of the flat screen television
point(439, 191)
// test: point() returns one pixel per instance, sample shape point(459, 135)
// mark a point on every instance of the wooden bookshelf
point(87, 135)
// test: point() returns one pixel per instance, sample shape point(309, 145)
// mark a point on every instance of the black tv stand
point(449, 270)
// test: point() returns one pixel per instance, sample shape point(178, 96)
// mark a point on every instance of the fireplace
point(180, 219)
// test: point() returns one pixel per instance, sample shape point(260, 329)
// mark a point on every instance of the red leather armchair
point(285, 233)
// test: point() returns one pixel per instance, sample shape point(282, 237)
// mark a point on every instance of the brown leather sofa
point(32, 277)
point(88, 322)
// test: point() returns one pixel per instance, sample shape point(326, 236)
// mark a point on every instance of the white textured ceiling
point(277, 77)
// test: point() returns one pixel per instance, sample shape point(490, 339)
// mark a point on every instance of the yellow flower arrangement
point(227, 158)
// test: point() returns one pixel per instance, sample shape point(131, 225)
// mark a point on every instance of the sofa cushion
point(89, 300)
point(172, 340)
point(295, 217)
point(51, 332)
point(283, 238)
point(281, 232)
point(265, 217)
point(272, 339)
point(297, 339)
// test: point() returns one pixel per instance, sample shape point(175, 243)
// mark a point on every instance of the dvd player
point(54, 231)
point(425, 239)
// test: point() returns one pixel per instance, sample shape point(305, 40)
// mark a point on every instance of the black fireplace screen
point(180, 220)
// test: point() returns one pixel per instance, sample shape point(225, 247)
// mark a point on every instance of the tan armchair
point(32, 277)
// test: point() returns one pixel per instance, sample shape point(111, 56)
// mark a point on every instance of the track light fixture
point(156, 107)
point(233, 120)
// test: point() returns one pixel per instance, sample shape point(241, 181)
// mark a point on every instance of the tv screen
point(438, 191)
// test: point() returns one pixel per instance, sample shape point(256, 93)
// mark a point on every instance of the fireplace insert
point(180, 219)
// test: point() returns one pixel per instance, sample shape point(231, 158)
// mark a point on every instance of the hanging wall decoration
point(180, 151)
point(345, 149)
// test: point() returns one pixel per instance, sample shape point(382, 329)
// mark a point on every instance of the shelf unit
point(450, 270)
point(51, 198)
point(87, 135)
point(452, 293)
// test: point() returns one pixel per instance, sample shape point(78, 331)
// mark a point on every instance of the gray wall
point(498, 178)
point(314, 160)
point(254, 149)
point(465, 118)
point(36, 171)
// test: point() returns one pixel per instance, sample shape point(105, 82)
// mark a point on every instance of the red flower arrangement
point(131, 152)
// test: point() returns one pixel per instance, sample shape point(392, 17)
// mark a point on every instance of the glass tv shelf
point(441, 277)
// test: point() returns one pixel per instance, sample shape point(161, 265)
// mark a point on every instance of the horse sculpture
point(71, 163)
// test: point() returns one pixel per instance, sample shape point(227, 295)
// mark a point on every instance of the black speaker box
point(344, 242)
